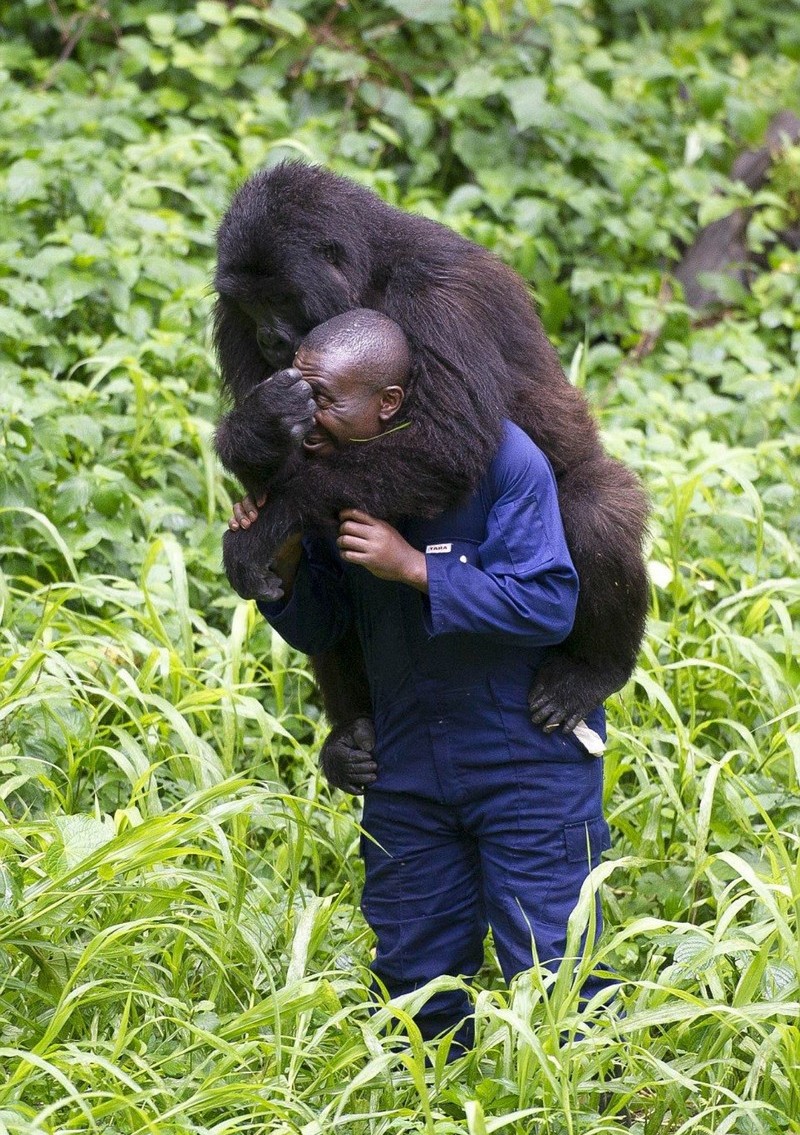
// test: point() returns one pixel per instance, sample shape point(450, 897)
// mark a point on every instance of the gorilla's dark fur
point(299, 245)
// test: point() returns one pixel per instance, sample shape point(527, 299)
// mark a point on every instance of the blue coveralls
point(477, 815)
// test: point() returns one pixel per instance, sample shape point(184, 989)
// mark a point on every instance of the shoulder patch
point(432, 548)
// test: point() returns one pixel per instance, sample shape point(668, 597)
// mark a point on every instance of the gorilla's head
point(292, 252)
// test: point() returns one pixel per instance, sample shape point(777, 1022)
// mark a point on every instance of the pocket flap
point(586, 840)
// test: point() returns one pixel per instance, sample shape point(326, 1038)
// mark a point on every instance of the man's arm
point(377, 546)
point(524, 587)
point(530, 599)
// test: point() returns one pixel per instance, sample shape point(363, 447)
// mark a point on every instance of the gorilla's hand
point(566, 689)
point(284, 400)
point(263, 432)
point(346, 757)
point(245, 560)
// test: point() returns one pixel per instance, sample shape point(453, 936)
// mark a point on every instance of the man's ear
point(391, 401)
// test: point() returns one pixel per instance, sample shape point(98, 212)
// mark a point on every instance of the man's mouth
point(315, 441)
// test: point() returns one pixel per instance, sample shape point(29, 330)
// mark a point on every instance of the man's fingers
point(356, 514)
point(354, 528)
point(240, 517)
point(354, 543)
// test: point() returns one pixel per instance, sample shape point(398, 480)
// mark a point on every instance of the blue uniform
point(477, 815)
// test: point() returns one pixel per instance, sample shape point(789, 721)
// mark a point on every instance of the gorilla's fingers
point(536, 702)
point(546, 712)
point(346, 757)
point(553, 713)
point(361, 769)
point(285, 379)
point(571, 721)
point(243, 567)
point(364, 734)
point(355, 789)
point(285, 398)
point(269, 588)
point(361, 780)
point(541, 704)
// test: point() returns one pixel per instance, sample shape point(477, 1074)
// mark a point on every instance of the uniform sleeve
point(319, 612)
point(519, 584)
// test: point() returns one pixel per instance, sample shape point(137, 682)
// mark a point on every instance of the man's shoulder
point(518, 461)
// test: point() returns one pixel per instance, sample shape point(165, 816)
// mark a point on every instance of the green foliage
point(178, 892)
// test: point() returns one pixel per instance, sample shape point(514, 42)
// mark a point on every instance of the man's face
point(347, 408)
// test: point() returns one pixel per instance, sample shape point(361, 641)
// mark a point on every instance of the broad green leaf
point(424, 11)
point(77, 837)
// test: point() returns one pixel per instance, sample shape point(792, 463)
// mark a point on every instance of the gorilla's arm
point(604, 513)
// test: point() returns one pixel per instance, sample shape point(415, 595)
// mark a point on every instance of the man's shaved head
point(368, 343)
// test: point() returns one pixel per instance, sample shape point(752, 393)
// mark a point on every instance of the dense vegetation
point(182, 947)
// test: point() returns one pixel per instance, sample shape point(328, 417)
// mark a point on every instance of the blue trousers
point(512, 855)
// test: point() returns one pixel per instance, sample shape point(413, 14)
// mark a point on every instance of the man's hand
point(381, 549)
point(245, 513)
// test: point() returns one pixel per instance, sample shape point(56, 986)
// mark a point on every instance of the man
point(473, 815)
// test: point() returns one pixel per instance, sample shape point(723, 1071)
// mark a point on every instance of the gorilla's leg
point(246, 555)
point(346, 758)
point(604, 512)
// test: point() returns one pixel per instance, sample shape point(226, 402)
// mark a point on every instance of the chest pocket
point(462, 551)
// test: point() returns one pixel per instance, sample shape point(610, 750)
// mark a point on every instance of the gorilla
point(299, 245)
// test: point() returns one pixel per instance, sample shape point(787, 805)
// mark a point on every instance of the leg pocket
point(584, 842)
point(533, 897)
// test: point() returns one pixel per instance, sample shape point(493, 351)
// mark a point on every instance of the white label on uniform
point(431, 548)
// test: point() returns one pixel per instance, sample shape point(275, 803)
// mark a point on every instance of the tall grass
point(179, 893)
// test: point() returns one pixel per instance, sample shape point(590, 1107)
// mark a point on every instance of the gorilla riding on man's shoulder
point(299, 245)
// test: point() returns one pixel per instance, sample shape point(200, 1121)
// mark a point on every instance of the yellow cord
point(393, 430)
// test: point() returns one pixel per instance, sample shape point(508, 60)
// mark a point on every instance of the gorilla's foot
point(253, 582)
point(346, 757)
point(244, 568)
point(566, 689)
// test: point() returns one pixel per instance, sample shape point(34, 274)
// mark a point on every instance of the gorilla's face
point(283, 284)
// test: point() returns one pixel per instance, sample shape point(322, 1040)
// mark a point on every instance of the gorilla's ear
point(333, 252)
